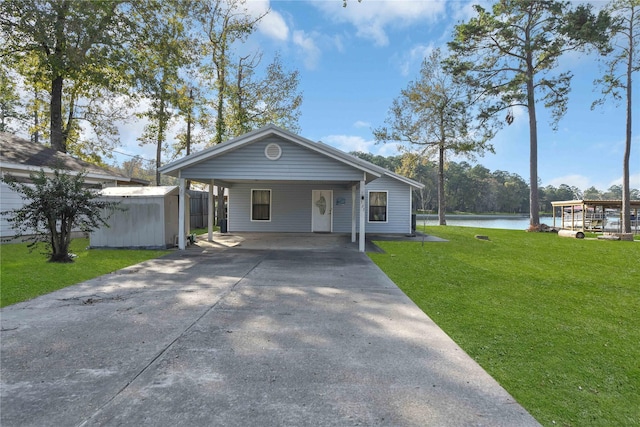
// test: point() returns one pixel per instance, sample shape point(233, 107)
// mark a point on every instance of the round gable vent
point(273, 151)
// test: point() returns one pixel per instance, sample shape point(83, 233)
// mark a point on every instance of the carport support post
point(210, 213)
point(362, 217)
point(353, 213)
point(182, 201)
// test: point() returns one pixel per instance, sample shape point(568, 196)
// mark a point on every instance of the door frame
point(329, 206)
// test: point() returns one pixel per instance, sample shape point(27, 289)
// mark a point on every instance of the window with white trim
point(377, 206)
point(260, 205)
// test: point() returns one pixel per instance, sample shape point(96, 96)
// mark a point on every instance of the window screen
point(377, 206)
point(261, 205)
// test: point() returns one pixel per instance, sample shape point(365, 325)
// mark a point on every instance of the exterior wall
point(291, 207)
point(398, 206)
point(9, 200)
point(295, 163)
point(141, 225)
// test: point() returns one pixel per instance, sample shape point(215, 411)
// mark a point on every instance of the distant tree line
point(475, 188)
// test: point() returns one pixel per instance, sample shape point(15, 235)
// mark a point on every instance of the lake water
point(485, 221)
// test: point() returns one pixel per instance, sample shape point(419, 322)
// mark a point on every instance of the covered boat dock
point(593, 215)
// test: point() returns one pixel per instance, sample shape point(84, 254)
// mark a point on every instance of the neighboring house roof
point(19, 157)
point(139, 191)
point(370, 169)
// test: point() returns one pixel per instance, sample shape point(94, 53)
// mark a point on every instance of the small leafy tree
point(54, 207)
point(433, 113)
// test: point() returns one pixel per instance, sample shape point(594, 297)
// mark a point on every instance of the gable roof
point(19, 156)
point(370, 169)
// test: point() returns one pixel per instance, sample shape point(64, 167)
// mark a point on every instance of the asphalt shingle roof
point(14, 149)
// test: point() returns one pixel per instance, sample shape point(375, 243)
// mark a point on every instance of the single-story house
point(278, 181)
point(20, 157)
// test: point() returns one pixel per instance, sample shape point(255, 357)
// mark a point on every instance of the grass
point(203, 230)
point(554, 320)
point(25, 275)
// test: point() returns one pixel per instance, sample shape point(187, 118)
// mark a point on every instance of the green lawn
point(25, 275)
point(555, 320)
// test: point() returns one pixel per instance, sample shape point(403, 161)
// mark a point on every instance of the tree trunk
point(188, 137)
point(58, 141)
point(221, 74)
point(534, 215)
point(57, 137)
point(160, 140)
point(626, 202)
point(59, 244)
point(441, 197)
point(36, 135)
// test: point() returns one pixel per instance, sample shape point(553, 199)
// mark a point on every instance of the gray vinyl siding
point(10, 200)
point(398, 206)
point(292, 207)
point(342, 212)
point(295, 163)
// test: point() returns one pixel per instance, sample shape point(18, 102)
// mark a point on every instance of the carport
point(280, 182)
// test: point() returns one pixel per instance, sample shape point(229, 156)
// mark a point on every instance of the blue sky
point(354, 61)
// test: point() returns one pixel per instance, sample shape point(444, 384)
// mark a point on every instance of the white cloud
point(372, 18)
point(255, 8)
point(361, 124)
point(463, 12)
point(129, 134)
point(308, 47)
point(408, 61)
point(336, 41)
point(580, 181)
point(274, 26)
point(350, 143)
point(634, 181)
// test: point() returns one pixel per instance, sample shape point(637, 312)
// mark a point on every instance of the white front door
point(322, 209)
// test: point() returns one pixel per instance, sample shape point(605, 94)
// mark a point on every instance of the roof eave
point(27, 169)
point(408, 181)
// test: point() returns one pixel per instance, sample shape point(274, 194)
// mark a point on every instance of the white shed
point(149, 219)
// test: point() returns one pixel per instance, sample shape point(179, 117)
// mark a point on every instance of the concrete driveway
point(234, 336)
